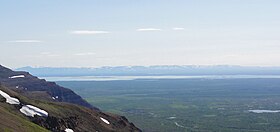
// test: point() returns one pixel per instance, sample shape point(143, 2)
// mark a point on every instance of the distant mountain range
point(152, 70)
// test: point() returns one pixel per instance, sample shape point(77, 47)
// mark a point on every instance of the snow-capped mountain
point(153, 70)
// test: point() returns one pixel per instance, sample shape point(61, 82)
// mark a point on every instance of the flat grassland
point(179, 105)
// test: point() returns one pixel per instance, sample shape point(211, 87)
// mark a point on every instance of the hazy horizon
point(143, 66)
point(147, 32)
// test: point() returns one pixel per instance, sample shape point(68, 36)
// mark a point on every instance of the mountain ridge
point(31, 83)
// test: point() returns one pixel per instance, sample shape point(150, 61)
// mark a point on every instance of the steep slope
point(12, 120)
point(60, 116)
point(34, 87)
point(28, 103)
point(9, 121)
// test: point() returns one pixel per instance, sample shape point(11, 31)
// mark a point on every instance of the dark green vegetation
point(198, 104)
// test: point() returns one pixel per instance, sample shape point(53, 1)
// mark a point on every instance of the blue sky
point(93, 33)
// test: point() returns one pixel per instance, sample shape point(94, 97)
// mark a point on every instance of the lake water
point(264, 111)
point(113, 78)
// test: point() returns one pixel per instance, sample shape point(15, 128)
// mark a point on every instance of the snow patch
point(9, 99)
point(17, 76)
point(104, 120)
point(68, 130)
point(30, 110)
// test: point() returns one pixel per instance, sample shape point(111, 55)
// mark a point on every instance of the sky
point(95, 33)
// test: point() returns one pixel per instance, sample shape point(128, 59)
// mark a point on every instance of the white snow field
point(68, 130)
point(30, 110)
point(9, 99)
point(17, 76)
point(104, 120)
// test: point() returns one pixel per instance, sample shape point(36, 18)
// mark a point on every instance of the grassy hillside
point(11, 120)
point(65, 109)
point(61, 116)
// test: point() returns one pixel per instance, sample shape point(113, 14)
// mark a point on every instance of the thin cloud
point(84, 54)
point(26, 41)
point(178, 28)
point(88, 32)
point(53, 55)
point(49, 54)
point(148, 29)
point(45, 53)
